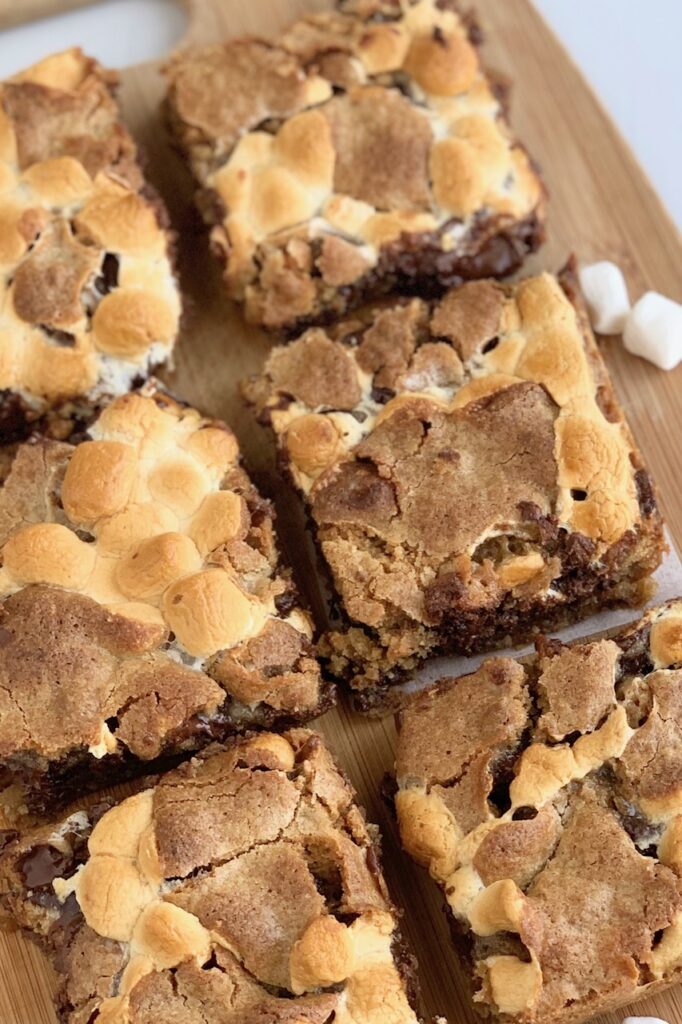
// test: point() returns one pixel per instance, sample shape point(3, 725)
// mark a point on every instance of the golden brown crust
point(141, 589)
point(464, 461)
point(359, 125)
point(87, 292)
point(569, 885)
point(242, 887)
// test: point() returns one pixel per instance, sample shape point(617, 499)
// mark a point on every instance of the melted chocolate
point(40, 865)
point(108, 275)
point(285, 603)
point(646, 495)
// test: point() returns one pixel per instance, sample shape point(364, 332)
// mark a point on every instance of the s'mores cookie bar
point(363, 152)
point(143, 610)
point(469, 473)
point(546, 801)
point(244, 888)
point(88, 298)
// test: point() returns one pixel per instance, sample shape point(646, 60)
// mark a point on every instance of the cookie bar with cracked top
point(144, 611)
point(546, 800)
point(469, 473)
point(241, 888)
point(363, 152)
point(88, 298)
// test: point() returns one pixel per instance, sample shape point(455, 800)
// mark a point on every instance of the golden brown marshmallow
point(156, 563)
point(231, 898)
point(80, 241)
point(366, 148)
point(208, 611)
point(98, 480)
point(457, 436)
point(48, 553)
point(323, 956)
point(150, 570)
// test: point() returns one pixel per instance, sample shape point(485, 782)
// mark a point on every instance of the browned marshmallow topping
point(88, 299)
point(546, 801)
point(143, 606)
point(365, 149)
point(239, 889)
point(468, 471)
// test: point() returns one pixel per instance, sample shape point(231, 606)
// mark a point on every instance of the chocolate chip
point(578, 494)
point(63, 338)
point(107, 279)
point(635, 659)
point(211, 963)
point(382, 395)
point(646, 495)
point(285, 603)
point(490, 346)
point(15, 416)
point(69, 910)
point(578, 550)
point(524, 814)
point(502, 770)
point(42, 864)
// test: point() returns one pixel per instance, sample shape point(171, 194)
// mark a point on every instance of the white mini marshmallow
point(653, 330)
point(644, 1020)
point(606, 295)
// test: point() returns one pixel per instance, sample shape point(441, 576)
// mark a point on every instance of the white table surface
point(628, 49)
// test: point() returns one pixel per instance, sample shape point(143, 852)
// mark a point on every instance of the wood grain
point(17, 12)
point(601, 206)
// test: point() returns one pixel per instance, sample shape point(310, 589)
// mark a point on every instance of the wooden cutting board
point(602, 206)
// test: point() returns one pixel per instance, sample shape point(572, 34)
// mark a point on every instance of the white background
point(630, 50)
point(631, 53)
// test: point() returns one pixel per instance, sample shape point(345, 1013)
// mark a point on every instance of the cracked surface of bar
point(242, 888)
point(88, 298)
point(469, 473)
point(364, 151)
point(144, 608)
point(546, 801)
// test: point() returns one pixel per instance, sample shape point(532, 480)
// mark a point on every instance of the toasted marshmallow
point(653, 330)
point(606, 294)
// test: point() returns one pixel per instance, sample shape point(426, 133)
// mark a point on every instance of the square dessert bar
point(143, 609)
point(363, 152)
point(242, 888)
point(546, 801)
point(468, 470)
point(88, 297)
